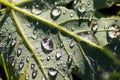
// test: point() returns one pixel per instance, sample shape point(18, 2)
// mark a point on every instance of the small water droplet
point(72, 44)
point(88, 2)
point(64, 12)
point(69, 59)
point(13, 61)
point(27, 59)
point(19, 51)
point(9, 36)
point(21, 65)
point(22, 58)
point(94, 26)
point(48, 58)
point(52, 72)
point(27, 77)
point(57, 45)
point(13, 42)
point(34, 31)
point(2, 48)
point(72, 29)
point(32, 66)
point(42, 59)
point(36, 11)
point(58, 55)
point(56, 12)
point(61, 45)
point(71, 15)
point(47, 44)
point(58, 63)
point(93, 63)
point(82, 8)
point(34, 73)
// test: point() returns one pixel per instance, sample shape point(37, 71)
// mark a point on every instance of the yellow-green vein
point(4, 66)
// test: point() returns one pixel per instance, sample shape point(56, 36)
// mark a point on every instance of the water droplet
point(2, 48)
point(94, 26)
point(114, 31)
point(72, 29)
point(71, 15)
point(32, 66)
point(48, 58)
point(13, 42)
point(22, 58)
point(61, 45)
point(82, 8)
point(47, 44)
point(93, 63)
point(27, 59)
point(52, 72)
point(64, 12)
point(88, 2)
point(34, 31)
point(58, 55)
point(19, 51)
point(9, 36)
point(21, 65)
point(34, 73)
point(36, 11)
point(13, 61)
point(43, 78)
point(42, 59)
point(56, 12)
point(72, 44)
point(27, 77)
point(58, 63)
point(69, 59)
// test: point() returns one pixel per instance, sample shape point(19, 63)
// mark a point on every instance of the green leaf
point(50, 40)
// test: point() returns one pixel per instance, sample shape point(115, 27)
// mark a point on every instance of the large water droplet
point(114, 31)
point(21, 65)
point(36, 11)
point(34, 73)
point(82, 8)
point(19, 51)
point(58, 55)
point(47, 44)
point(56, 12)
point(32, 66)
point(52, 72)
